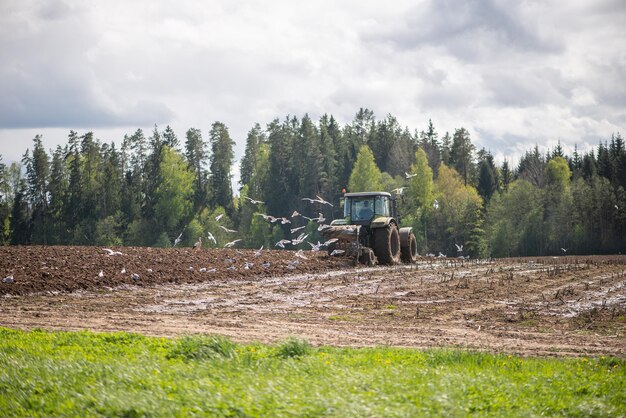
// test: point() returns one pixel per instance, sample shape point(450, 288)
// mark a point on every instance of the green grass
point(128, 375)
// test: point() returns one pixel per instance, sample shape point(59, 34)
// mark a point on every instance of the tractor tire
point(409, 251)
point(387, 244)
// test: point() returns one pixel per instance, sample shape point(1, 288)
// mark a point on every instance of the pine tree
point(59, 190)
point(462, 154)
point(197, 155)
point(221, 163)
point(21, 225)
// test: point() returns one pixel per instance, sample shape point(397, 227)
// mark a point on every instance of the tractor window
point(381, 206)
point(360, 209)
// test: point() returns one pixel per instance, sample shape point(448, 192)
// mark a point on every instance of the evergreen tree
point(462, 155)
point(170, 139)
point(506, 177)
point(278, 190)
point(487, 182)
point(221, 163)
point(430, 144)
point(59, 190)
point(21, 225)
point(37, 176)
point(248, 162)
point(446, 146)
point(197, 154)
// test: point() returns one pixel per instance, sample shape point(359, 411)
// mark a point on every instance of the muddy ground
point(570, 306)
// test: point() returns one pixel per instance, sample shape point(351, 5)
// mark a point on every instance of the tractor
point(369, 230)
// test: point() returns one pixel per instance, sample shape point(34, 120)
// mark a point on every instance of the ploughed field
point(570, 305)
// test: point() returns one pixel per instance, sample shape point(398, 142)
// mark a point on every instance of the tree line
point(156, 190)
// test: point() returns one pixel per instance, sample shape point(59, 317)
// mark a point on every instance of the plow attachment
point(349, 241)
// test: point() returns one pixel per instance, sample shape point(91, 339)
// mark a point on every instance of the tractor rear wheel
point(409, 250)
point(387, 244)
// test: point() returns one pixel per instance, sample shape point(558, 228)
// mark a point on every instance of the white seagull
point(459, 248)
point(227, 230)
point(218, 217)
point(230, 244)
point(399, 190)
point(408, 176)
point(295, 213)
point(254, 202)
point(211, 237)
point(282, 243)
point(297, 229)
point(111, 252)
point(177, 240)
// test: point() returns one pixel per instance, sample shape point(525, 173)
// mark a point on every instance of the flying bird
point(399, 190)
point(218, 217)
point(459, 248)
point(315, 247)
point(285, 221)
point(295, 213)
point(330, 241)
point(408, 176)
point(254, 202)
point(337, 252)
point(227, 230)
point(299, 240)
point(282, 243)
point(318, 200)
point(177, 240)
point(564, 250)
point(297, 229)
point(211, 237)
point(268, 218)
point(257, 253)
point(301, 255)
point(230, 244)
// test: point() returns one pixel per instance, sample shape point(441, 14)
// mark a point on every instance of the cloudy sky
point(513, 73)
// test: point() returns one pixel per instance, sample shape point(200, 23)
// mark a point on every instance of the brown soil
point(532, 306)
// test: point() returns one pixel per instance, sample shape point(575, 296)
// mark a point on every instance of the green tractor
point(369, 230)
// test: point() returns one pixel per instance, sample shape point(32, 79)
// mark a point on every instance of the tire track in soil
point(532, 306)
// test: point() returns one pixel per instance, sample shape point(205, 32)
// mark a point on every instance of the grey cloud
point(470, 30)
point(526, 88)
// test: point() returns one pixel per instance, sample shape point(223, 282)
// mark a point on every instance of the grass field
point(121, 374)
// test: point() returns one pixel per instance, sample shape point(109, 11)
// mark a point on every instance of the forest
point(154, 189)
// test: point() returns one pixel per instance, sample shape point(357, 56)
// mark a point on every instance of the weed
point(293, 347)
point(199, 347)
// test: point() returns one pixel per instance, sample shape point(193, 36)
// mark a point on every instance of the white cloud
point(514, 74)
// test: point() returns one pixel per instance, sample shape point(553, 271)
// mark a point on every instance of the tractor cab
point(362, 208)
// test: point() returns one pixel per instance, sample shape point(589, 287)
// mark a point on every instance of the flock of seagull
point(290, 264)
